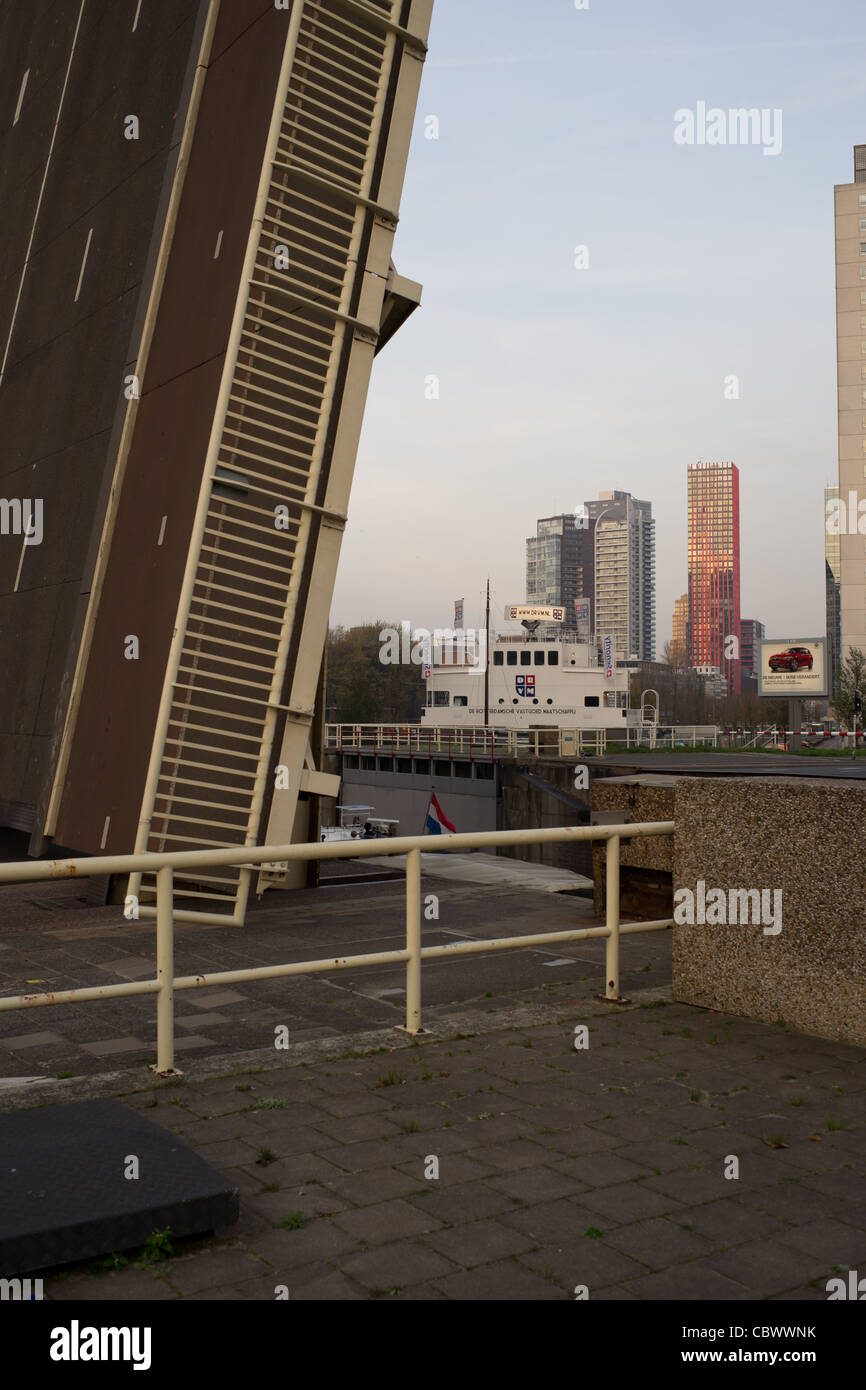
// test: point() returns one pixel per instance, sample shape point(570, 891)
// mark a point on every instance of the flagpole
point(487, 658)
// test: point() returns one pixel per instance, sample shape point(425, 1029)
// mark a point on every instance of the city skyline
point(554, 381)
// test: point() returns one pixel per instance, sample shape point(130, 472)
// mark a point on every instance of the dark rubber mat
point(67, 1190)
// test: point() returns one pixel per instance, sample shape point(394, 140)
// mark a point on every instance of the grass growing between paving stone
point(156, 1248)
point(354, 1053)
point(391, 1078)
point(293, 1221)
point(108, 1264)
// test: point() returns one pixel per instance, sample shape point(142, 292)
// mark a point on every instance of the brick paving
point(52, 939)
point(493, 1160)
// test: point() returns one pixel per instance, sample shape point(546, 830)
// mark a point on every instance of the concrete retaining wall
point(804, 837)
point(646, 863)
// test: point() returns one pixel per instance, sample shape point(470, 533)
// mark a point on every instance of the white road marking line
point(26, 264)
point(21, 97)
point(83, 264)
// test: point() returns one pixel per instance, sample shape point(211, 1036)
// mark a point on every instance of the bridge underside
point(183, 705)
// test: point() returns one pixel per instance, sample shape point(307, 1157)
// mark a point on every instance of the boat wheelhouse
point(532, 683)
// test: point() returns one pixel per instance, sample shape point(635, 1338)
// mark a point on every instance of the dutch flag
point(437, 822)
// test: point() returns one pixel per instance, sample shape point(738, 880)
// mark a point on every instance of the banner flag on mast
point(437, 822)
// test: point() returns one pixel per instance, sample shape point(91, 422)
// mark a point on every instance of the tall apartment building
point(850, 215)
point(680, 632)
point(833, 587)
point(559, 568)
point(751, 632)
point(714, 568)
point(198, 201)
point(605, 553)
point(624, 555)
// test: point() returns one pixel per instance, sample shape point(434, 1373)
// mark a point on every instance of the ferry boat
point(531, 683)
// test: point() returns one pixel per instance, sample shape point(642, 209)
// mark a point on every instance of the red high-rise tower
point(714, 568)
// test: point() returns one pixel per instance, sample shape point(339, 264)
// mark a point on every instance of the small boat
point(356, 823)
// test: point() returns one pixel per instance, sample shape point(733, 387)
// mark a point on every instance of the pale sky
point(556, 130)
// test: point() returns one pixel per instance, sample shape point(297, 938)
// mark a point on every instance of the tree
point(851, 681)
point(361, 688)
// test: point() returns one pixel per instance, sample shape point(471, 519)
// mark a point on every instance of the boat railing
point(477, 744)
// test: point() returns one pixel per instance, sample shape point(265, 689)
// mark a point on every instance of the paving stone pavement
point(51, 939)
point(682, 1155)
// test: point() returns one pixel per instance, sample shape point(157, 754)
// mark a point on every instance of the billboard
point(793, 667)
point(534, 613)
point(607, 649)
point(581, 617)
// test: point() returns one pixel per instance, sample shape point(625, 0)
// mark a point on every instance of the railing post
point(165, 971)
point(611, 898)
point(413, 942)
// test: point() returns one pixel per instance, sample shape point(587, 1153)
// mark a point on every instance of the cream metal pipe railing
point(481, 743)
point(163, 865)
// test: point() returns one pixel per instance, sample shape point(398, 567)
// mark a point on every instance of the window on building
point(591, 701)
point(538, 658)
point(461, 699)
point(441, 697)
point(498, 658)
point(553, 658)
point(511, 658)
point(526, 658)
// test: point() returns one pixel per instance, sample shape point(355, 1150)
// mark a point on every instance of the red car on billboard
point(792, 659)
